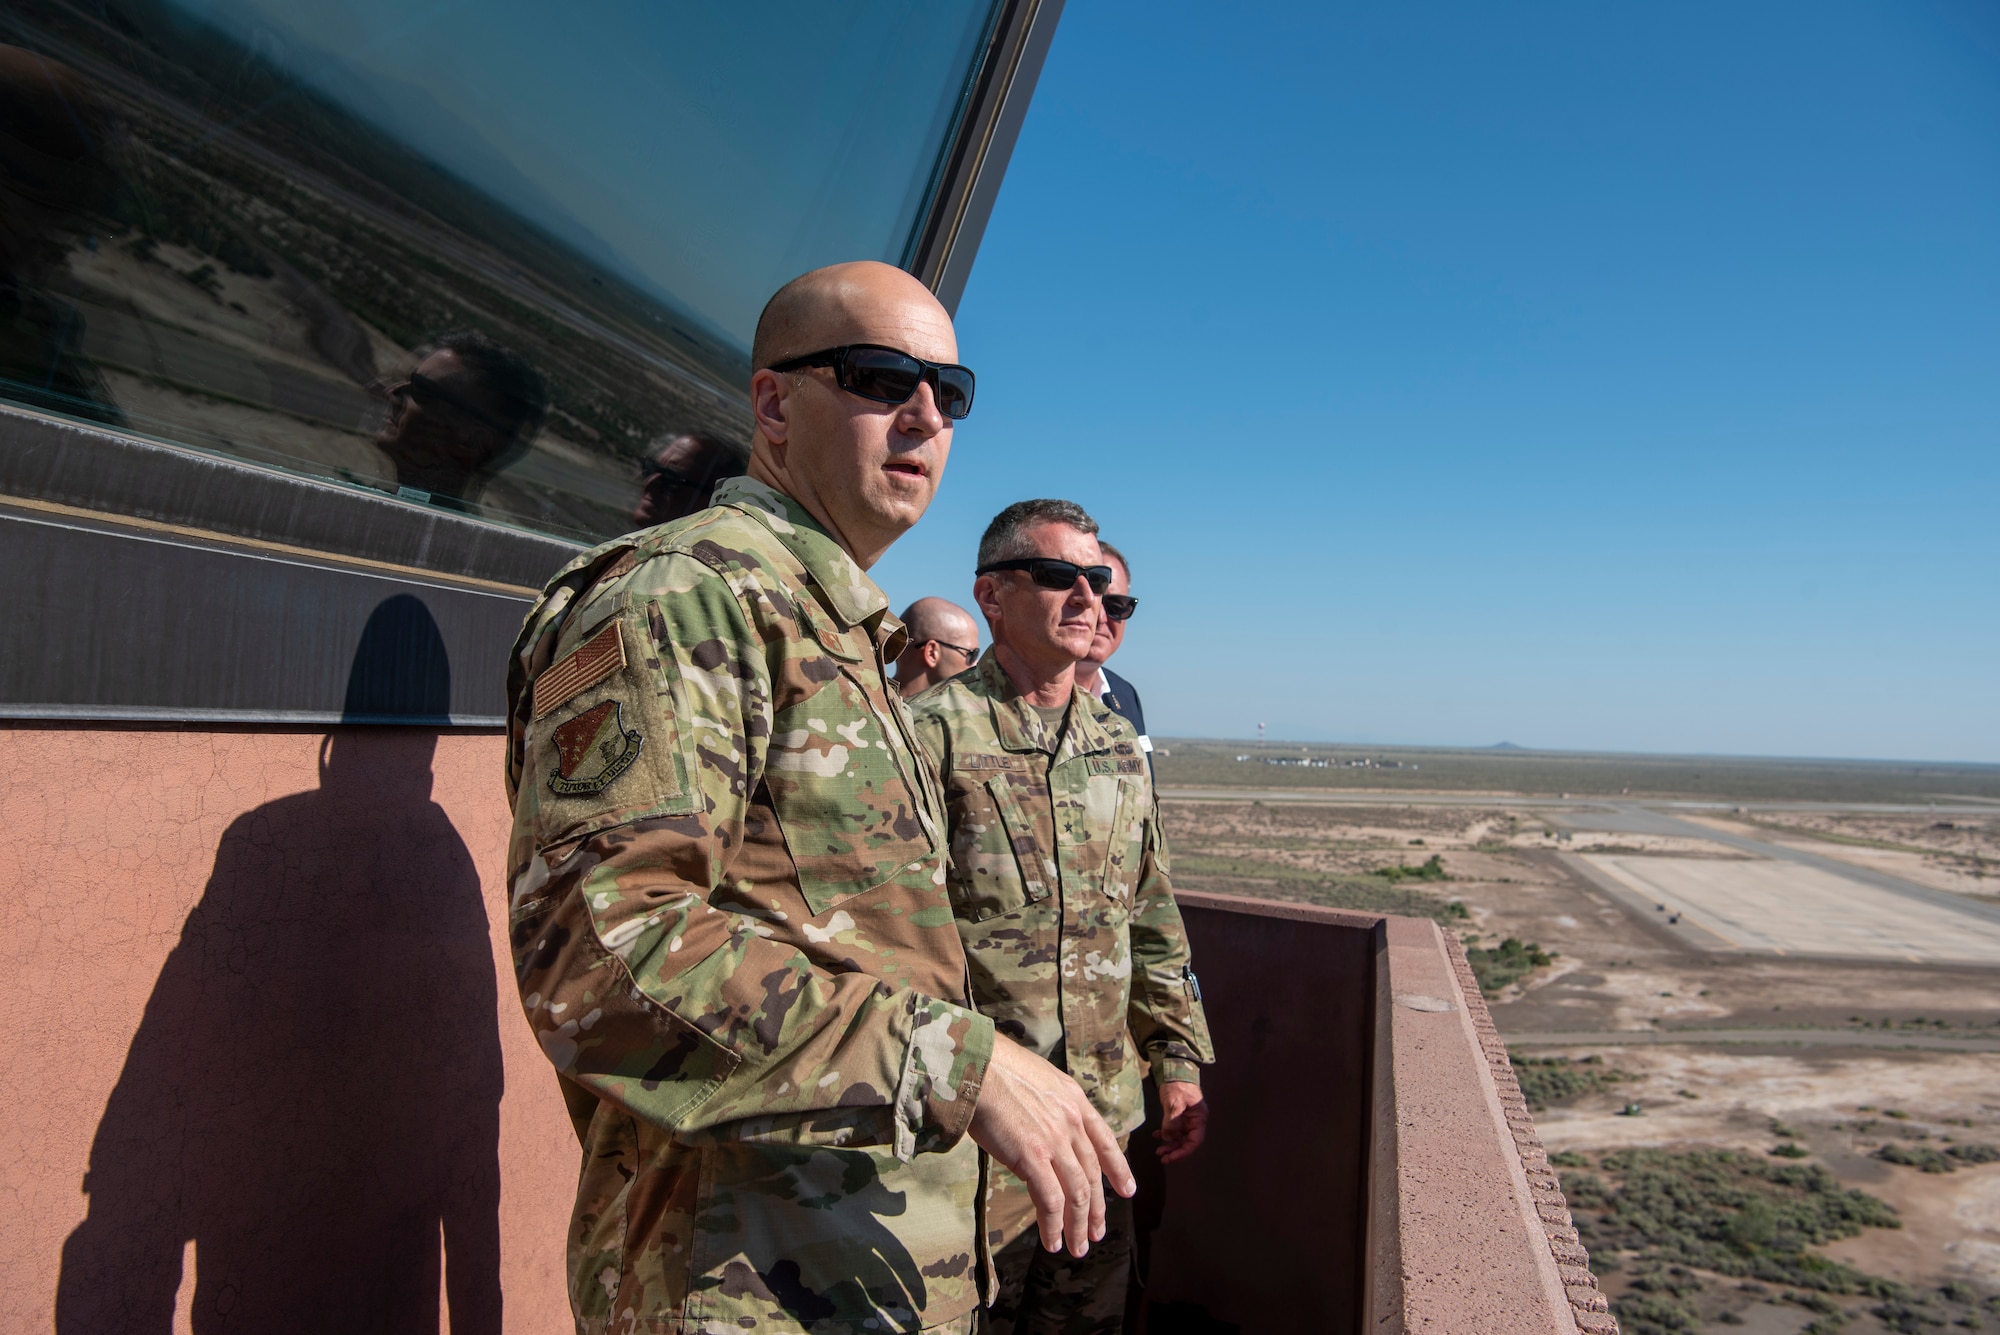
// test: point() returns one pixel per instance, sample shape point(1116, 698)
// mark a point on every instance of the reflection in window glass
point(505, 258)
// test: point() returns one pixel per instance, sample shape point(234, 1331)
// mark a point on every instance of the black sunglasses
point(652, 473)
point(889, 375)
point(958, 649)
point(1120, 606)
point(426, 390)
point(1053, 574)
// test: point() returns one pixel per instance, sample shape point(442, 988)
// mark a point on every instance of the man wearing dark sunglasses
point(1092, 674)
point(731, 929)
point(679, 477)
point(468, 409)
point(1058, 880)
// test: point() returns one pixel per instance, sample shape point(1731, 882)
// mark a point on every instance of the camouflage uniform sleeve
point(688, 1013)
point(1165, 1013)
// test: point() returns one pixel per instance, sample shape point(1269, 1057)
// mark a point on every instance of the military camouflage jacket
point(1058, 875)
point(733, 939)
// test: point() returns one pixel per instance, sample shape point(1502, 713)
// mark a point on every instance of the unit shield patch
point(592, 749)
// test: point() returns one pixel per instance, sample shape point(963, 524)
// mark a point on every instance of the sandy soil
point(1951, 1226)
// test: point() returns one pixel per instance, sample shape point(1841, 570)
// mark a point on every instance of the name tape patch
point(582, 668)
point(988, 761)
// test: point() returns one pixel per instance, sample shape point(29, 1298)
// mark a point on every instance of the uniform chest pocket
point(842, 799)
point(1127, 840)
point(999, 860)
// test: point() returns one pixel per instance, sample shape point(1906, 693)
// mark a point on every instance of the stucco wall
point(259, 1016)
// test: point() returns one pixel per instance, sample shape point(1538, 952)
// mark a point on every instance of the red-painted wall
point(260, 1018)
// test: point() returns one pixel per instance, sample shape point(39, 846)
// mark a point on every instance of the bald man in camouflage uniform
point(1058, 876)
point(728, 914)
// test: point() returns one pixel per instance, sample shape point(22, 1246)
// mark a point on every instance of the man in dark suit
point(1091, 674)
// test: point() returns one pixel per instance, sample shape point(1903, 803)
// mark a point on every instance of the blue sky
point(1579, 375)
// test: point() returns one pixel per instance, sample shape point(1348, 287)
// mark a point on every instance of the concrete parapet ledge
point(1464, 1226)
point(1484, 1237)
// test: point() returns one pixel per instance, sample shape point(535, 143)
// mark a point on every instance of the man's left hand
point(1183, 1120)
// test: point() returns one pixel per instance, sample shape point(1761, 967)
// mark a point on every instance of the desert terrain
point(1762, 1025)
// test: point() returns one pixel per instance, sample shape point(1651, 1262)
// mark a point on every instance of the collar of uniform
point(1086, 734)
point(849, 593)
point(1020, 727)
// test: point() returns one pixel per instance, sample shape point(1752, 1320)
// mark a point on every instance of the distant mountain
point(1505, 746)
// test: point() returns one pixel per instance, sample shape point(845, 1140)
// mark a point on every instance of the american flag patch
point(582, 668)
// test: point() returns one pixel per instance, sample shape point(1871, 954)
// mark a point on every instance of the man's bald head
point(941, 619)
point(842, 303)
point(863, 469)
point(941, 634)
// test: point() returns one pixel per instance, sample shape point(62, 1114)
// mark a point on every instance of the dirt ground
point(1618, 967)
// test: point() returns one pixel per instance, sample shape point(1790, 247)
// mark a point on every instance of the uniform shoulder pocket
point(610, 740)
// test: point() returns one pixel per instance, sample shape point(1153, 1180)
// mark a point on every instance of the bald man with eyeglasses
point(944, 641)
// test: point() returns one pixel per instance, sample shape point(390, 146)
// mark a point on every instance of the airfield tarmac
point(1785, 908)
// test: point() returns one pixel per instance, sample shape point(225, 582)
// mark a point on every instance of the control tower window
point(503, 259)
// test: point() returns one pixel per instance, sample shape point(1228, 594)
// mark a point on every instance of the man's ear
point(986, 596)
point(768, 394)
point(933, 653)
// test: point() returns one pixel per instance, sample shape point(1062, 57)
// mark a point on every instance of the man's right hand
point(1035, 1120)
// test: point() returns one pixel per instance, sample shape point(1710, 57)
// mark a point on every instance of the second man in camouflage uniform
point(1058, 878)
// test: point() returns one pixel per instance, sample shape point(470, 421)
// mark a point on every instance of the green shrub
point(1676, 1280)
point(1920, 1157)
point(1432, 870)
point(1505, 963)
point(1655, 1314)
point(1584, 1191)
point(1734, 1214)
point(1905, 1316)
point(1551, 1080)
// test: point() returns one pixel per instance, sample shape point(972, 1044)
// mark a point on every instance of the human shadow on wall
point(313, 1094)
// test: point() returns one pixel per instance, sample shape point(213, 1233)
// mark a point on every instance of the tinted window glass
point(505, 257)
